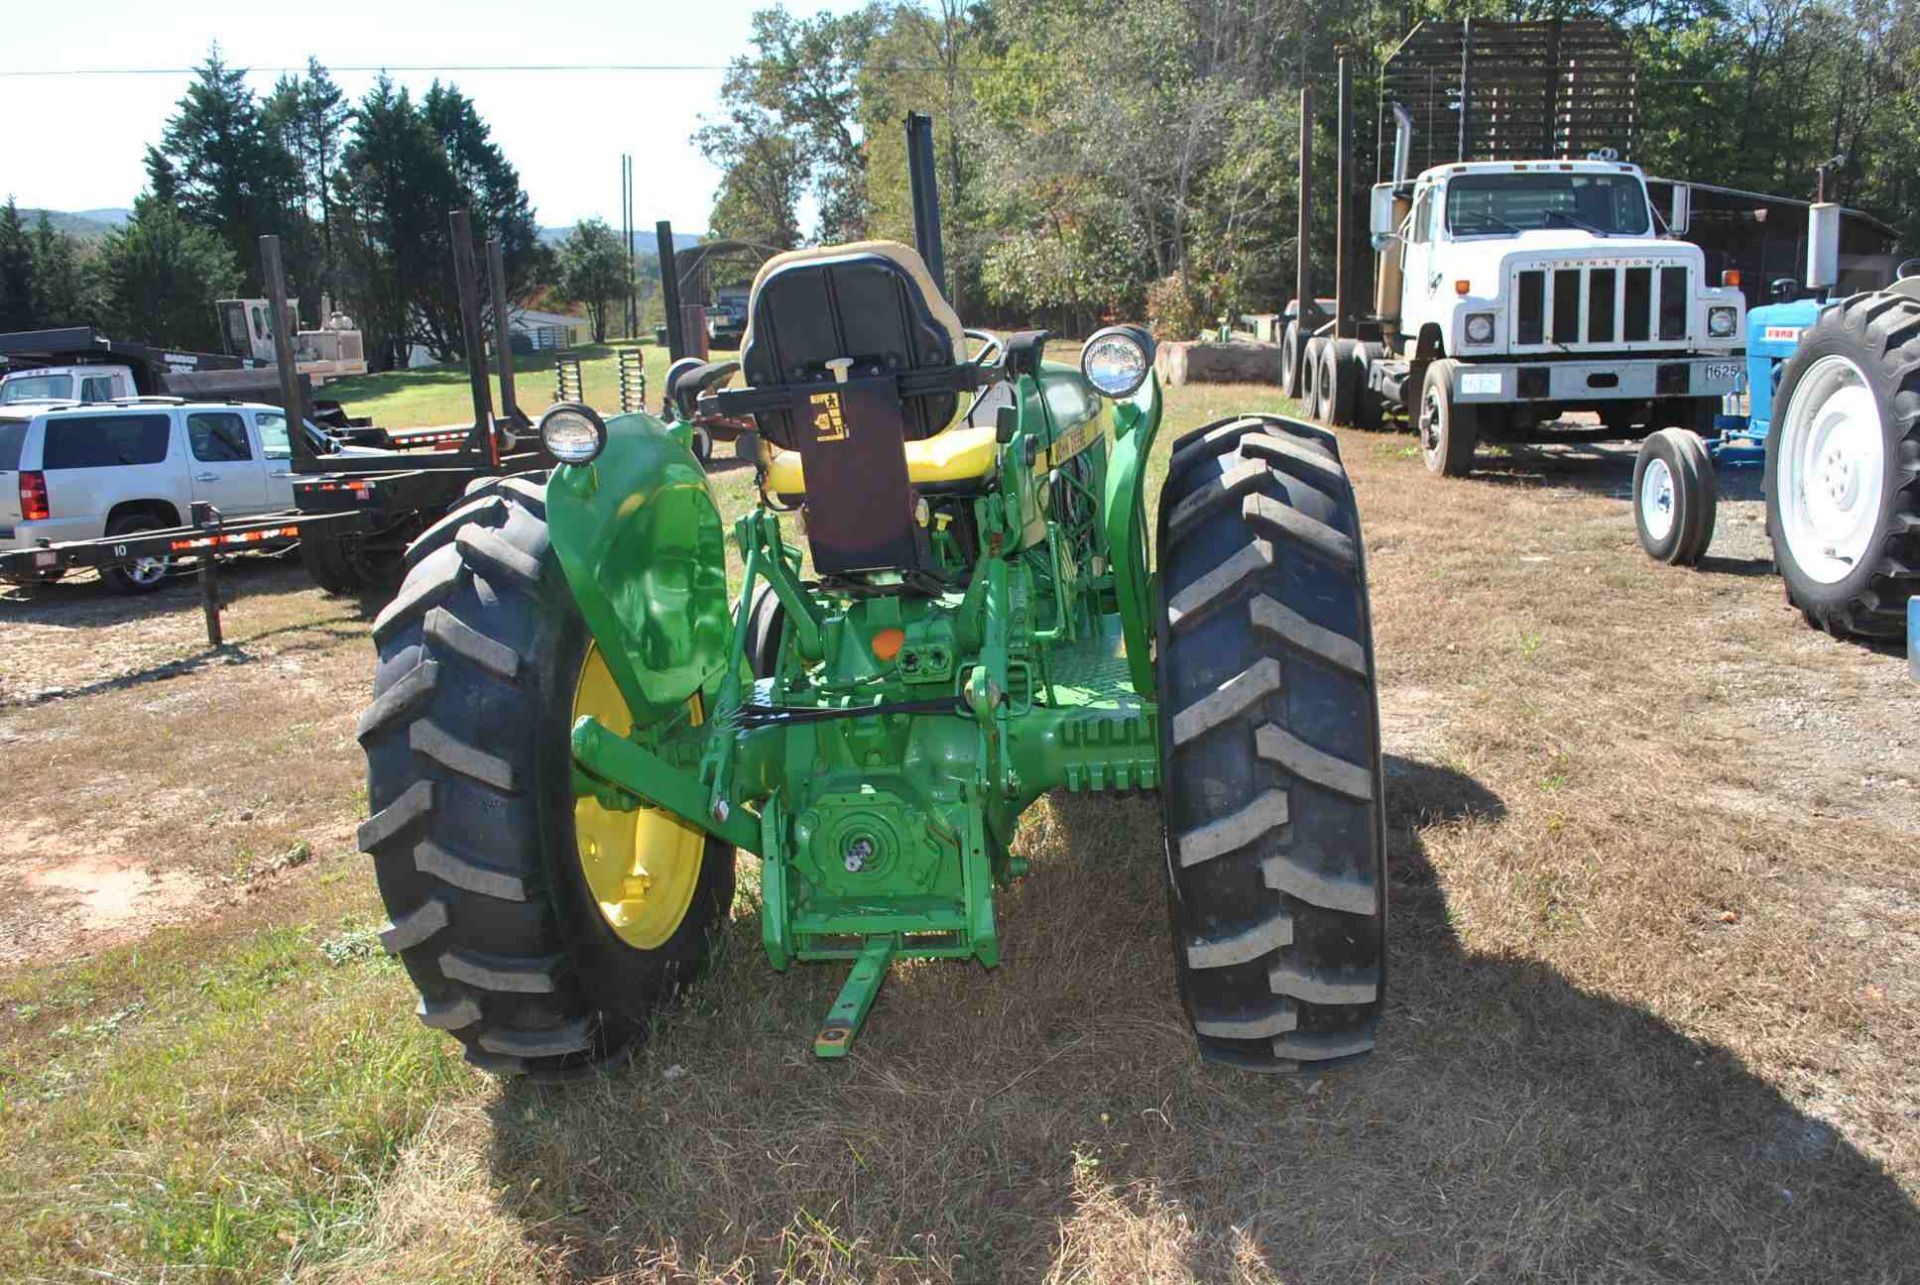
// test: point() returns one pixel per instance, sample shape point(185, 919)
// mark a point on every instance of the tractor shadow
point(1049, 1118)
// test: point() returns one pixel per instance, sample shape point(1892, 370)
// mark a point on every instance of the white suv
point(72, 472)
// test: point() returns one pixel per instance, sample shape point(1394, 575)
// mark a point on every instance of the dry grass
point(1654, 1007)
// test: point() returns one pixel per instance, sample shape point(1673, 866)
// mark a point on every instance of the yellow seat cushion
point(955, 455)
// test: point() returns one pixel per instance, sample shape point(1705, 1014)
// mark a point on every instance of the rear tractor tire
point(542, 931)
point(1270, 746)
point(1842, 479)
point(1674, 497)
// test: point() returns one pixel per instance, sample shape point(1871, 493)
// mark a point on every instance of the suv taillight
point(33, 498)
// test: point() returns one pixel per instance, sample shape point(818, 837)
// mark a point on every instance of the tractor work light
point(1479, 327)
point(573, 433)
point(1722, 322)
point(1116, 360)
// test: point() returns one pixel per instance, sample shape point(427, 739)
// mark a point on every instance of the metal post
point(633, 302)
point(924, 188)
point(284, 363)
point(670, 290)
point(1303, 266)
point(1466, 81)
point(463, 276)
point(1553, 94)
point(503, 336)
point(207, 518)
point(1342, 200)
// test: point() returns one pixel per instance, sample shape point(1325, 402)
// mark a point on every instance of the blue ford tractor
point(1833, 418)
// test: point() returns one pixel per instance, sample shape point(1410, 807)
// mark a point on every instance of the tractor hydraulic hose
point(750, 717)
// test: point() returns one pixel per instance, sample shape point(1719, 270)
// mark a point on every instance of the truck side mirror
point(1380, 217)
point(1680, 215)
point(1380, 210)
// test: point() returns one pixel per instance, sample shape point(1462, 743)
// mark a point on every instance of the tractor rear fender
point(1136, 421)
point(640, 539)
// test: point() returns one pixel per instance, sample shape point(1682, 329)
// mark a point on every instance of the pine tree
point(309, 116)
point(161, 275)
point(223, 168)
point(16, 271)
point(60, 288)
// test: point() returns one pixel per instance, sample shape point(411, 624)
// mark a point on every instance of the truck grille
point(1600, 307)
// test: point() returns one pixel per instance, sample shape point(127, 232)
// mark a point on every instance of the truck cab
point(1552, 285)
point(727, 319)
point(331, 352)
point(88, 385)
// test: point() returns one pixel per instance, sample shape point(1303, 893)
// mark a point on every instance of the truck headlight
point(1117, 360)
point(1722, 322)
point(1479, 327)
point(573, 433)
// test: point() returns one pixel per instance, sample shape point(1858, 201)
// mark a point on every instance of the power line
point(21, 73)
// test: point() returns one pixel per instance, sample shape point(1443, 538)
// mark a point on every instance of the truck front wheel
point(1448, 430)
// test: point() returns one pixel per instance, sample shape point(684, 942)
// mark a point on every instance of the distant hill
point(87, 225)
point(642, 238)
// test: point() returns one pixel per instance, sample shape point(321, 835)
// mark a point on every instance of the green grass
point(219, 1108)
point(441, 395)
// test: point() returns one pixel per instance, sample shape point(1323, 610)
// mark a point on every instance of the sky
point(563, 130)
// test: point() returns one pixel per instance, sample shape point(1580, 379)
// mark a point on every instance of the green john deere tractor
point(576, 727)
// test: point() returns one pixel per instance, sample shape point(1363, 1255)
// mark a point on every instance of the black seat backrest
point(873, 303)
point(834, 337)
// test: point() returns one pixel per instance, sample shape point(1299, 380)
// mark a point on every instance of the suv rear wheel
point(142, 575)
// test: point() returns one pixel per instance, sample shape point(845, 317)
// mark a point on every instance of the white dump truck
point(1508, 293)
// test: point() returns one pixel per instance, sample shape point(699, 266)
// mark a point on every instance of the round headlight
point(572, 433)
point(1721, 322)
point(1480, 328)
point(1117, 360)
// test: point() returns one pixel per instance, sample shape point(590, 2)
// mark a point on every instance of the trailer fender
point(639, 537)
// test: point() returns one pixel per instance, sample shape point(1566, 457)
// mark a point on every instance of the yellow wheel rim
point(641, 867)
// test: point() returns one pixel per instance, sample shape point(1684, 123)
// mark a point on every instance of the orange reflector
point(1461, 287)
point(1731, 277)
point(886, 643)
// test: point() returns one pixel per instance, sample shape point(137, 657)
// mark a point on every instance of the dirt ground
point(1654, 1009)
point(166, 781)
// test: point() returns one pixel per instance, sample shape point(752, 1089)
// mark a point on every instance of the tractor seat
point(855, 366)
point(957, 459)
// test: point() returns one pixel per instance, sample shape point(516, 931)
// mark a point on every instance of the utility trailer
point(353, 516)
point(1516, 278)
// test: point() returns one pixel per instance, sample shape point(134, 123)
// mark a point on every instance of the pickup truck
point(79, 472)
point(87, 384)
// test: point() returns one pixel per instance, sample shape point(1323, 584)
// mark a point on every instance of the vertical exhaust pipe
point(925, 192)
point(1402, 143)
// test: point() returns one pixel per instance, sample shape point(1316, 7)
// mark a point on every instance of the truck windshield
point(36, 388)
point(1503, 204)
